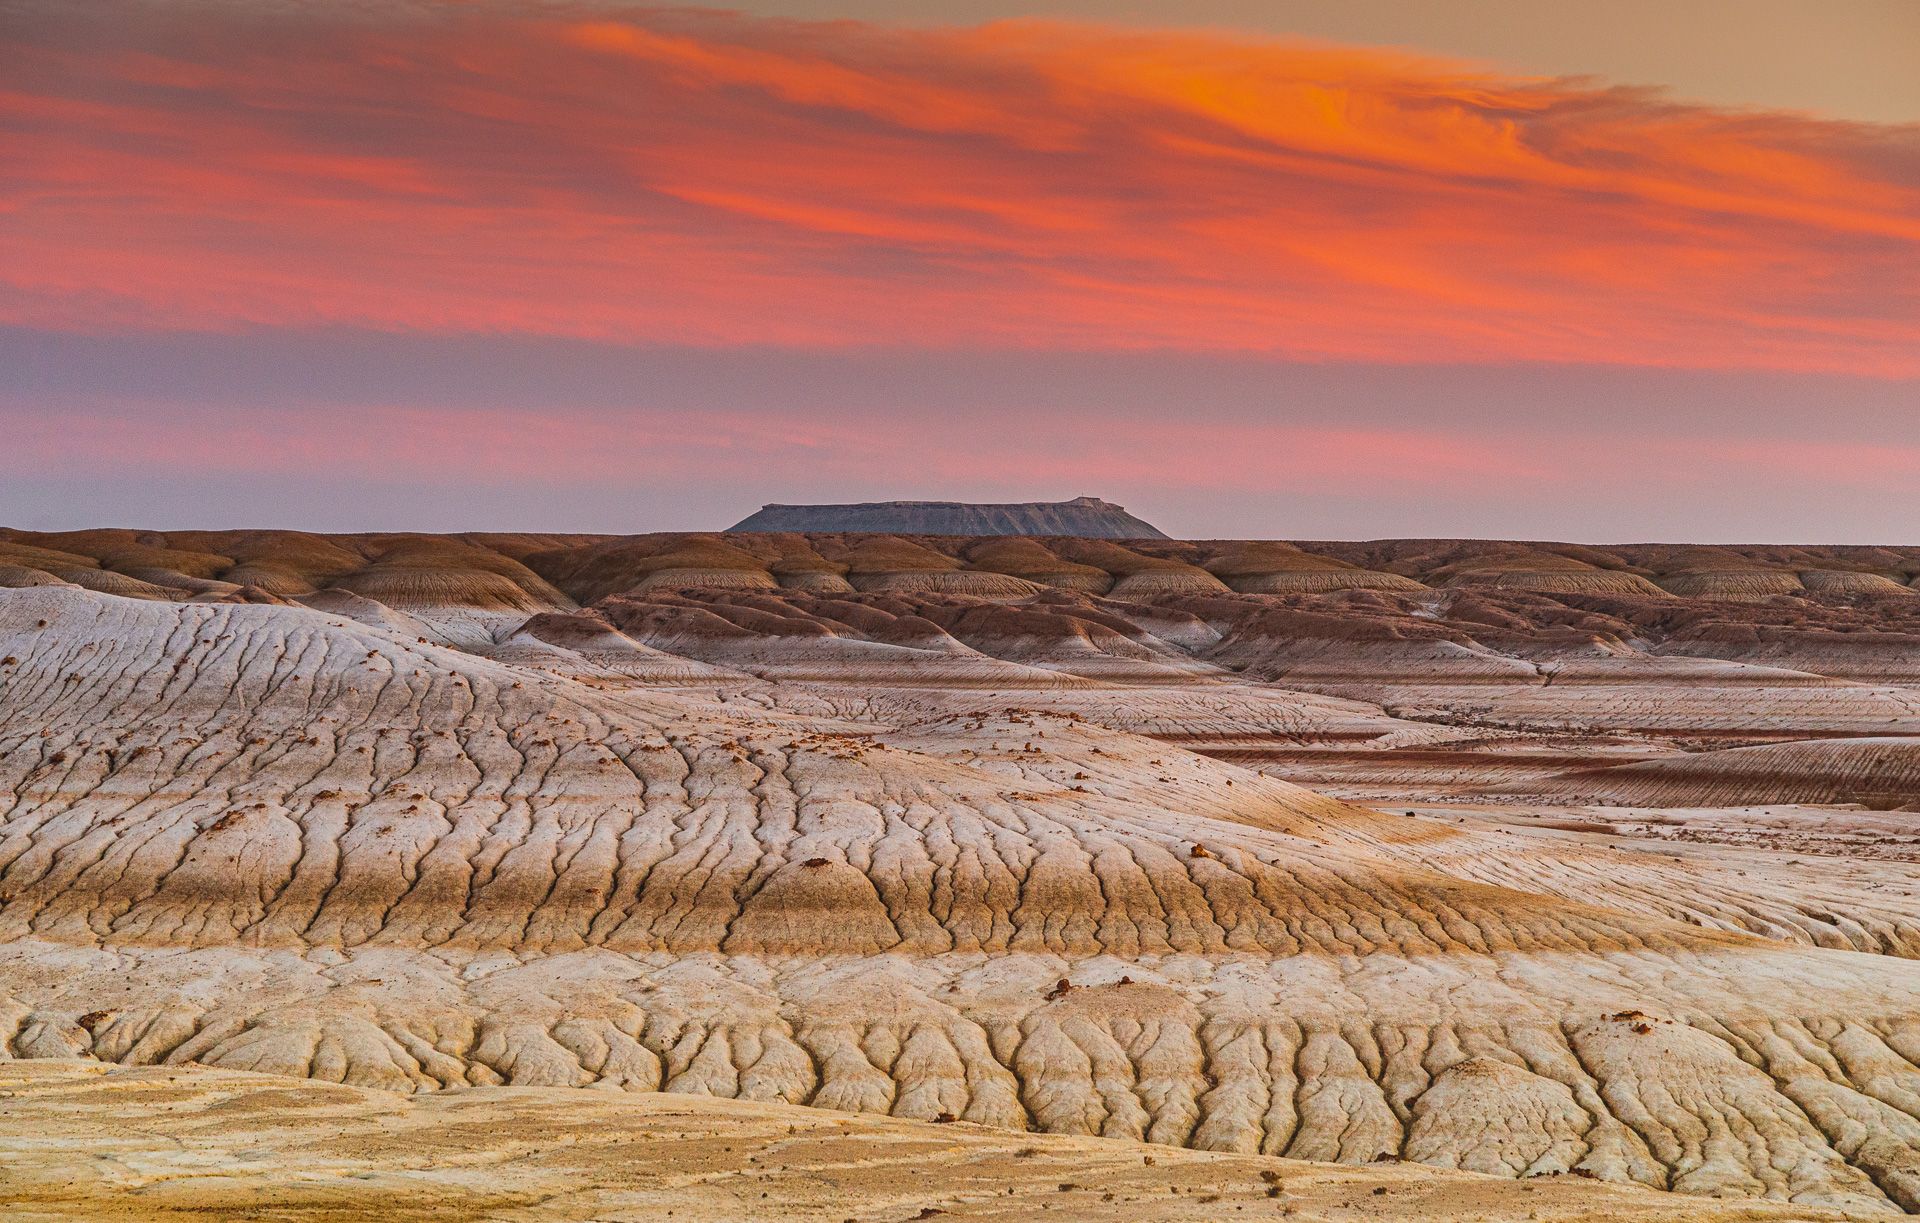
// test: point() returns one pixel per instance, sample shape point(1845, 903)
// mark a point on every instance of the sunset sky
point(1294, 268)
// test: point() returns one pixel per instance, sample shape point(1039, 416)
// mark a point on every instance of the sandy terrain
point(83, 1141)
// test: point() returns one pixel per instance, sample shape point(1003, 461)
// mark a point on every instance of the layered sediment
point(1025, 855)
point(1083, 516)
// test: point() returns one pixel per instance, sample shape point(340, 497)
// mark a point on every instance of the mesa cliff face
point(1085, 517)
point(1145, 841)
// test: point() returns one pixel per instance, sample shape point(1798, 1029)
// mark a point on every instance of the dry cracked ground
point(1553, 864)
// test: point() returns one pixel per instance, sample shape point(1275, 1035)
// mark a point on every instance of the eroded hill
point(1006, 831)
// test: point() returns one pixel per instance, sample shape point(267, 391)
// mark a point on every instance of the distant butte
point(1086, 517)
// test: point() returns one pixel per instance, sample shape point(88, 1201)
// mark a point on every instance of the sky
point(1297, 268)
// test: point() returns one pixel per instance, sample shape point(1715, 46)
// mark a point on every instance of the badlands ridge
point(1531, 860)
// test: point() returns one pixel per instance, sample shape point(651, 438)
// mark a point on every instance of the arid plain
point(1015, 862)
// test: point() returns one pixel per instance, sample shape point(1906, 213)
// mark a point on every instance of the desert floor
point(1506, 878)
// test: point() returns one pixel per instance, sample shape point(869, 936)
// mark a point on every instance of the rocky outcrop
point(1088, 517)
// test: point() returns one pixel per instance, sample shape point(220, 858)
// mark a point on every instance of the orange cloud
point(705, 178)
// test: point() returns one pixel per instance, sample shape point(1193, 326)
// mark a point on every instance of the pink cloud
point(685, 177)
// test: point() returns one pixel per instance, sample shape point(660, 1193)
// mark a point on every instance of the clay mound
point(1088, 517)
point(175, 580)
point(80, 1140)
point(593, 573)
point(1055, 630)
point(375, 614)
point(585, 644)
point(1557, 579)
point(78, 568)
point(1321, 581)
point(974, 585)
point(1140, 575)
point(869, 642)
point(1032, 561)
point(1079, 581)
point(133, 556)
point(1433, 561)
point(798, 566)
point(883, 563)
point(1850, 582)
point(1560, 569)
point(1272, 567)
point(1250, 558)
point(1879, 773)
point(202, 566)
point(416, 588)
point(782, 553)
point(17, 576)
point(865, 555)
point(313, 559)
point(273, 578)
point(13, 552)
point(816, 582)
point(1160, 583)
point(1018, 557)
point(1734, 585)
point(455, 556)
point(443, 577)
point(714, 579)
point(106, 581)
point(89, 542)
point(1116, 559)
point(1685, 558)
point(519, 545)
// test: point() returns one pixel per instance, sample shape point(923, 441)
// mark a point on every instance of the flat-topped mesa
point(1087, 517)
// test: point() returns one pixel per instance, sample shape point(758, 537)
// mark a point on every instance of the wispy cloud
point(710, 179)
